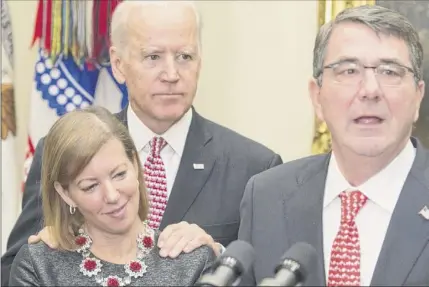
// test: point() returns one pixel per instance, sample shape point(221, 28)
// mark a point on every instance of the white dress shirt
point(372, 221)
point(172, 153)
point(175, 137)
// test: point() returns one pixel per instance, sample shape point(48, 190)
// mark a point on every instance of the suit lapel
point(190, 181)
point(408, 232)
point(304, 214)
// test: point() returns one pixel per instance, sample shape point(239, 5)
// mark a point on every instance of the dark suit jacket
point(209, 197)
point(284, 205)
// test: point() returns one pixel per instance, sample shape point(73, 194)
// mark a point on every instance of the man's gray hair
point(380, 20)
point(118, 27)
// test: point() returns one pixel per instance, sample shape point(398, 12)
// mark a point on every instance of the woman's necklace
point(91, 266)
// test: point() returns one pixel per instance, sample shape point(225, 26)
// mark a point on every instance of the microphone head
point(299, 259)
point(239, 255)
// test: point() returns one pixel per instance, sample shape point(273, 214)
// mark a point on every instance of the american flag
point(62, 87)
point(71, 71)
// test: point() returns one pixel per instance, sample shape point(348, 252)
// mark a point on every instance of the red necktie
point(156, 182)
point(344, 269)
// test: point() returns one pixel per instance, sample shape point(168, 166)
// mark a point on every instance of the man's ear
point(64, 194)
point(117, 64)
point(420, 95)
point(314, 91)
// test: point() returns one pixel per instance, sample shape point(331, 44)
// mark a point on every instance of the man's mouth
point(168, 94)
point(368, 120)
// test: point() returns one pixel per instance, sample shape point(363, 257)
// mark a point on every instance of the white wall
point(23, 17)
point(256, 63)
point(22, 14)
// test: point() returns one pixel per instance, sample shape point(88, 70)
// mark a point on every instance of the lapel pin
point(201, 166)
point(425, 212)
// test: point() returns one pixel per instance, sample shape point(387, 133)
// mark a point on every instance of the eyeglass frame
point(359, 63)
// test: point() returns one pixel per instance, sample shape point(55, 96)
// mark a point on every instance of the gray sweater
point(38, 265)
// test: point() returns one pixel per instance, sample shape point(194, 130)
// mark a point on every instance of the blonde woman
point(95, 205)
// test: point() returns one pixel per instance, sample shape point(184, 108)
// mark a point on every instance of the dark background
point(418, 13)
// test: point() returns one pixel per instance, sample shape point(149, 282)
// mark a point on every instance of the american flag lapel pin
point(425, 212)
point(198, 166)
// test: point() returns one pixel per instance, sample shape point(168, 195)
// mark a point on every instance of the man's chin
point(371, 147)
point(171, 114)
point(169, 117)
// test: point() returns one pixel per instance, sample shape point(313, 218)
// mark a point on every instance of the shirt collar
point(175, 136)
point(383, 188)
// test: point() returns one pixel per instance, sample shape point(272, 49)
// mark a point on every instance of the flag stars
point(77, 100)
point(62, 83)
point(53, 90)
point(56, 84)
point(55, 73)
point(40, 68)
point(69, 92)
point(45, 79)
point(61, 99)
point(48, 63)
point(70, 107)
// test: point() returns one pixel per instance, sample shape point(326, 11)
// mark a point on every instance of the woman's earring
point(72, 209)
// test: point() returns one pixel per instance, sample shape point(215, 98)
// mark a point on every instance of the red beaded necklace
point(91, 266)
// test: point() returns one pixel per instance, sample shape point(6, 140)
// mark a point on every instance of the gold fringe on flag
point(56, 29)
point(66, 27)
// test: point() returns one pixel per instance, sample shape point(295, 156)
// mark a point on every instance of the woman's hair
point(68, 148)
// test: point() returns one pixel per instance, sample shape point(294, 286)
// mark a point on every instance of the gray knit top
point(39, 265)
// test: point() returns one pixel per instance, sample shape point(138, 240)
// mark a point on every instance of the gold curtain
point(328, 10)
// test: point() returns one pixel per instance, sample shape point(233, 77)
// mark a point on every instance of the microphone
point(294, 266)
point(236, 260)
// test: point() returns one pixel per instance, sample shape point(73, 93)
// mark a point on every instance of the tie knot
point(156, 145)
point(351, 204)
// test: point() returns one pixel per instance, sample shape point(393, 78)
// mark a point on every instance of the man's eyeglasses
point(352, 72)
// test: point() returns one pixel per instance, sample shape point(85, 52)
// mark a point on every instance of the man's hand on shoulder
point(45, 236)
point(184, 237)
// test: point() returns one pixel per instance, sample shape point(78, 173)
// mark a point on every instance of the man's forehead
point(360, 41)
point(159, 15)
point(160, 38)
point(152, 25)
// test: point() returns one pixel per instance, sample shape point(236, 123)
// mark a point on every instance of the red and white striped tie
point(344, 269)
point(156, 182)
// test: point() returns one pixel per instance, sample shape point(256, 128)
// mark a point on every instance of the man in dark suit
point(156, 52)
point(364, 205)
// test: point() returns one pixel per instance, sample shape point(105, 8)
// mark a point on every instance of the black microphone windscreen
point(304, 254)
point(242, 252)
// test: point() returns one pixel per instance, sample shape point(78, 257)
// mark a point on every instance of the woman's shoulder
point(33, 250)
point(39, 265)
point(40, 253)
point(31, 257)
point(183, 270)
point(40, 249)
point(200, 254)
point(203, 253)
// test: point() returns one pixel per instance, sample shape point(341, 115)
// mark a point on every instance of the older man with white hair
point(204, 167)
